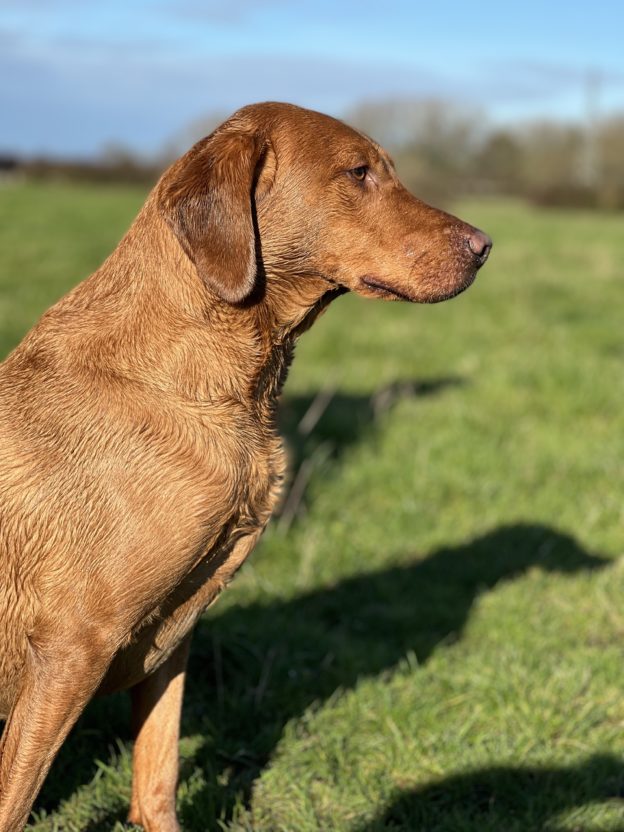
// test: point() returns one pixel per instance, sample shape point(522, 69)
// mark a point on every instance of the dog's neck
point(290, 307)
point(284, 307)
point(157, 319)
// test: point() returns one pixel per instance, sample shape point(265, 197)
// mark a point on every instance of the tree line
point(442, 150)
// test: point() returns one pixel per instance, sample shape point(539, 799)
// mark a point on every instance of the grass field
point(437, 642)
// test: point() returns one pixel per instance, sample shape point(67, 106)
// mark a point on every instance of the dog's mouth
point(383, 290)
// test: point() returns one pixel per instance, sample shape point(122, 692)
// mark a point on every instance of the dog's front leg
point(156, 708)
point(60, 676)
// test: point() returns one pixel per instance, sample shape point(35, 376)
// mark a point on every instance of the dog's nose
point(480, 244)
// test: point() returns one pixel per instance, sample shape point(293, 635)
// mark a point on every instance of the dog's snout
point(480, 244)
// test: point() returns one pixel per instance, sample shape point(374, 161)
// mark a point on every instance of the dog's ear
point(206, 197)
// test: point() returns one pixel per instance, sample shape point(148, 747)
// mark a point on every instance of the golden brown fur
point(138, 456)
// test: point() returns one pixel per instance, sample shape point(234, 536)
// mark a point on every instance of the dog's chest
point(253, 488)
point(249, 479)
point(236, 487)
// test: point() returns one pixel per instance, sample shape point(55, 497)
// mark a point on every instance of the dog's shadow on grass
point(520, 798)
point(255, 668)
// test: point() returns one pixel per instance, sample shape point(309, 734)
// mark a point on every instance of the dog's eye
point(359, 174)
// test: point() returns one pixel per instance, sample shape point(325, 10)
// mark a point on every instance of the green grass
point(436, 643)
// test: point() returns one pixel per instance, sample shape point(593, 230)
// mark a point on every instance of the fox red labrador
point(139, 461)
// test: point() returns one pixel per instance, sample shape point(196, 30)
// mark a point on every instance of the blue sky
point(76, 75)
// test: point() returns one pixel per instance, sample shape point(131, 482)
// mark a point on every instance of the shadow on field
point(255, 668)
point(505, 797)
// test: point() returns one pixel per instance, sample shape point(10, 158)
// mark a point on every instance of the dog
point(139, 460)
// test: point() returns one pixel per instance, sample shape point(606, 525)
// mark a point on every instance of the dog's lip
point(379, 286)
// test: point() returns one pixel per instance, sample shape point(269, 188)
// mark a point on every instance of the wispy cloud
point(142, 92)
point(220, 11)
point(75, 75)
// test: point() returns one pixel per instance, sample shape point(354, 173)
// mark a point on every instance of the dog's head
point(295, 192)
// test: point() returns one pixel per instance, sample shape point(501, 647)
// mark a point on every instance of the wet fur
point(139, 460)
